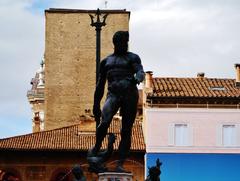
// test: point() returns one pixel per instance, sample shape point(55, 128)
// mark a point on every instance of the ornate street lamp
point(98, 27)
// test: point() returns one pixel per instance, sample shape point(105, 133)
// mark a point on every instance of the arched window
point(61, 175)
point(9, 175)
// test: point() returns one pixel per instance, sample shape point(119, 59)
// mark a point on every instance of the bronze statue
point(123, 71)
point(154, 172)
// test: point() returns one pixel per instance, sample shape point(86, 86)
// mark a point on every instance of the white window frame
point(181, 135)
point(172, 134)
point(219, 134)
point(233, 141)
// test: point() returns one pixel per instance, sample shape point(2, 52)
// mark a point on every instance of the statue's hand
point(135, 81)
point(97, 111)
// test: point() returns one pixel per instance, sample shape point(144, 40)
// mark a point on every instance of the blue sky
point(173, 38)
point(197, 167)
point(38, 6)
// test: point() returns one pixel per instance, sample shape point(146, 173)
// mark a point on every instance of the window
point(229, 135)
point(9, 175)
point(41, 116)
point(181, 135)
point(41, 126)
point(35, 172)
point(63, 176)
point(217, 88)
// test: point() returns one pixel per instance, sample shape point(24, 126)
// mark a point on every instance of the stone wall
point(70, 47)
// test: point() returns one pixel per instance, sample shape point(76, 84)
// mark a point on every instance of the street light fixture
point(98, 27)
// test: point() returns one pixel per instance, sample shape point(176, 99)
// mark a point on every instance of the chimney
point(148, 80)
point(237, 66)
point(200, 75)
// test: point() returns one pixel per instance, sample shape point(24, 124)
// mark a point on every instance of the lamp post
point(98, 27)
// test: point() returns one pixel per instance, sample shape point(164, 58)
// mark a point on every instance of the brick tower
point(70, 46)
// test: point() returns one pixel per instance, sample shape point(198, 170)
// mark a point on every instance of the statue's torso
point(119, 68)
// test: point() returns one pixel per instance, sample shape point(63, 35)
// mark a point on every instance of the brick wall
point(70, 62)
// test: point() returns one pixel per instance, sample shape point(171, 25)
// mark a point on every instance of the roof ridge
point(193, 78)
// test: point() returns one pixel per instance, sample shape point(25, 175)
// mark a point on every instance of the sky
point(174, 38)
point(205, 167)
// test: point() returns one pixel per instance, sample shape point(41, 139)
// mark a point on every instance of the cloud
point(182, 39)
point(21, 49)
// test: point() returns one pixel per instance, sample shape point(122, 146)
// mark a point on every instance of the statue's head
point(120, 41)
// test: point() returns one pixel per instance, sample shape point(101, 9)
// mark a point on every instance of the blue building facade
point(196, 167)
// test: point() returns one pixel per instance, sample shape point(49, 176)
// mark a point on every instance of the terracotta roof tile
point(70, 138)
point(194, 87)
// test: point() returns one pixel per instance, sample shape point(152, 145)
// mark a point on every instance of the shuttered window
point(229, 135)
point(181, 134)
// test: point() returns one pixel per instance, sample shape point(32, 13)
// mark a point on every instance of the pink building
point(188, 130)
point(192, 119)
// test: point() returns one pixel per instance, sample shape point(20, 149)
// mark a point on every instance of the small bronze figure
point(154, 172)
point(123, 71)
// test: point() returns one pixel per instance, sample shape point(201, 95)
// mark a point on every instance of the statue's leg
point(110, 108)
point(128, 110)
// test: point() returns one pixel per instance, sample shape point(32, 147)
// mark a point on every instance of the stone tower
point(70, 67)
